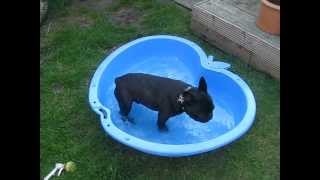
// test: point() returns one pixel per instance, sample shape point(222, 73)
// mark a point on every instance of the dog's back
point(148, 89)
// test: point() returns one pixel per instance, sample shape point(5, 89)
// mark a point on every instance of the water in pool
point(182, 129)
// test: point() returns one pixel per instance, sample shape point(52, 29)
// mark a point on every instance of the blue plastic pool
point(176, 58)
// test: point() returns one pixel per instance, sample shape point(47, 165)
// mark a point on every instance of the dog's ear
point(202, 85)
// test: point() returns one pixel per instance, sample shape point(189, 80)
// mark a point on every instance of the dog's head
point(198, 103)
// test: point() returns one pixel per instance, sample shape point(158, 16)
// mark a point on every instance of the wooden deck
point(230, 25)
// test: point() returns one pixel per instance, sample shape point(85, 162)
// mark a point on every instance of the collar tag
point(180, 99)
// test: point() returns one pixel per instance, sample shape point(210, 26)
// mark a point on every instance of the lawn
point(75, 39)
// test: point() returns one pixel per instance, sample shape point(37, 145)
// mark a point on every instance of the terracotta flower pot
point(269, 16)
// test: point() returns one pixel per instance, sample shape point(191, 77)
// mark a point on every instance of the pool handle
point(217, 64)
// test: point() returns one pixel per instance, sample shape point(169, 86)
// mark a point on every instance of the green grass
point(75, 39)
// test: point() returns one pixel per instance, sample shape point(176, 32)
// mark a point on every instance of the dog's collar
point(180, 99)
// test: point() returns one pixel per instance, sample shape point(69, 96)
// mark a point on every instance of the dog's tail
point(116, 80)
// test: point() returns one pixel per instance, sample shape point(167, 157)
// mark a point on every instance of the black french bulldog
point(167, 96)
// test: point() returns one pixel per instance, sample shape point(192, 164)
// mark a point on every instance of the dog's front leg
point(162, 119)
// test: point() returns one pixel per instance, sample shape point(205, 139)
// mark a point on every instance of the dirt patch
point(80, 21)
point(57, 88)
point(83, 21)
point(126, 15)
point(97, 5)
